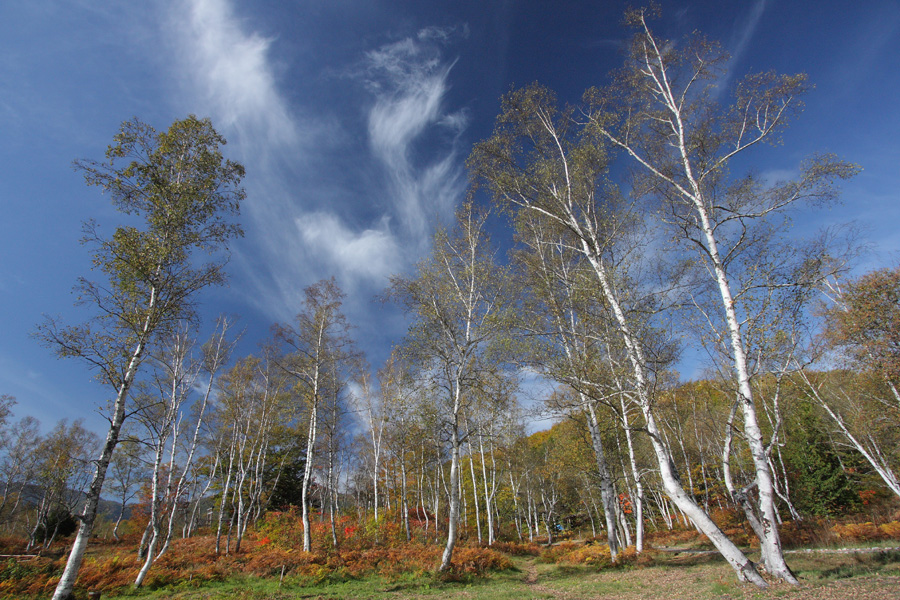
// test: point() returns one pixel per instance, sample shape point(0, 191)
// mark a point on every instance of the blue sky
point(353, 120)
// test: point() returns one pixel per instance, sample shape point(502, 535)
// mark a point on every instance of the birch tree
point(542, 162)
point(663, 115)
point(561, 293)
point(397, 389)
point(169, 435)
point(254, 413)
point(318, 341)
point(374, 412)
point(461, 303)
point(161, 418)
point(184, 193)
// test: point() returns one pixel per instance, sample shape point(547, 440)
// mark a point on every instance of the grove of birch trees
point(639, 246)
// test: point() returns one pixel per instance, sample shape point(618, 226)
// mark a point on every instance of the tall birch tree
point(662, 113)
point(462, 303)
point(319, 347)
point(561, 293)
point(184, 194)
point(541, 161)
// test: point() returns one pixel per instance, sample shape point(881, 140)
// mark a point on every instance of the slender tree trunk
point(515, 498)
point(89, 514)
point(153, 527)
point(548, 517)
point(453, 522)
point(636, 476)
point(307, 476)
point(331, 485)
point(225, 491)
point(404, 505)
point(607, 490)
point(201, 495)
point(474, 492)
point(488, 496)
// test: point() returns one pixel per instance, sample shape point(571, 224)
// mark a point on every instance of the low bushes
point(867, 532)
point(193, 561)
point(517, 548)
point(592, 555)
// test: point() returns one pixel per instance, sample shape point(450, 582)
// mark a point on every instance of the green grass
point(695, 577)
point(502, 586)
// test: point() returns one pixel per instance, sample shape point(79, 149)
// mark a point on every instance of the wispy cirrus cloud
point(229, 71)
point(740, 41)
point(745, 30)
point(372, 254)
point(306, 220)
point(409, 82)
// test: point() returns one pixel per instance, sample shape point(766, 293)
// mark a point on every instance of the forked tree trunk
point(770, 540)
point(744, 568)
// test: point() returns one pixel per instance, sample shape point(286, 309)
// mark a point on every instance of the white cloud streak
point(372, 254)
point(409, 82)
point(747, 28)
point(741, 38)
point(229, 74)
point(296, 233)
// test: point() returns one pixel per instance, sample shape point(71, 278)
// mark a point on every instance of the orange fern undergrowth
point(273, 550)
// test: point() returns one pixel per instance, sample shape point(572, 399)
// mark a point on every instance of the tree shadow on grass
point(862, 564)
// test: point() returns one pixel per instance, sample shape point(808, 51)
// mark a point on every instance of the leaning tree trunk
point(92, 502)
point(770, 541)
point(89, 514)
point(744, 568)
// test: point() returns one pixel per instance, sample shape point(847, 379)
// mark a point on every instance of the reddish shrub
point(517, 549)
point(477, 561)
point(594, 555)
point(553, 554)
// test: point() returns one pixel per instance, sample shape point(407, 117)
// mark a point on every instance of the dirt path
point(531, 580)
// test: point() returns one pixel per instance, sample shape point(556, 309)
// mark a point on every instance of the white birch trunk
point(453, 518)
point(89, 514)
point(881, 467)
point(307, 476)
